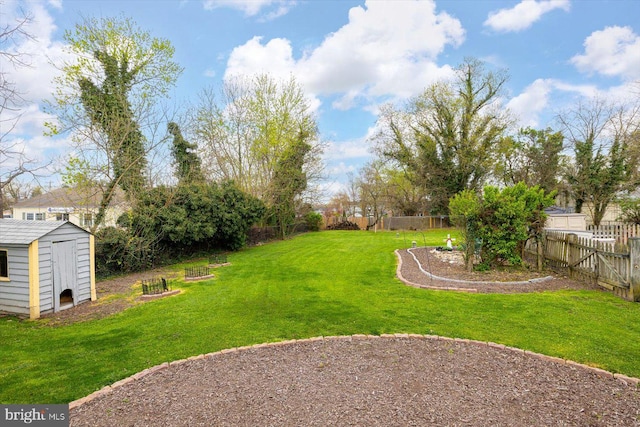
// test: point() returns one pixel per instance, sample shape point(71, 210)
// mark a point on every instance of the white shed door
point(65, 271)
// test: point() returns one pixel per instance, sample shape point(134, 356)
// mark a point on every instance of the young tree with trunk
point(374, 200)
point(243, 135)
point(263, 136)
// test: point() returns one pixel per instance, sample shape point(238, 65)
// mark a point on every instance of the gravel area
point(401, 380)
point(368, 381)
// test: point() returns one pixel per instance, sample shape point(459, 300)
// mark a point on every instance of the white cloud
point(33, 81)
point(253, 7)
point(346, 150)
point(386, 49)
point(614, 51)
point(531, 102)
point(546, 97)
point(341, 168)
point(523, 15)
point(587, 91)
point(275, 57)
point(57, 4)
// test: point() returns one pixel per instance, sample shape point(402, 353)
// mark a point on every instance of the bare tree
point(602, 136)
point(14, 162)
point(243, 134)
point(374, 197)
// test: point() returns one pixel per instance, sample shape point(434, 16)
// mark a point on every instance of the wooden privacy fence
point(621, 232)
point(610, 265)
point(394, 222)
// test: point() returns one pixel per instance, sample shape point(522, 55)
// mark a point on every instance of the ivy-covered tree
point(288, 182)
point(533, 157)
point(448, 136)
point(110, 111)
point(185, 158)
point(604, 162)
point(106, 97)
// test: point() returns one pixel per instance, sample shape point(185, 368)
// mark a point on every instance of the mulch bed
point(447, 265)
point(367, 381)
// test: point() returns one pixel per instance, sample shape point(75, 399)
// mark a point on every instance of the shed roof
point(16, 231)
point(71, 198)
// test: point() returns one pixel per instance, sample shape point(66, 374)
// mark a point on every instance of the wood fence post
point(634, 256)
point(573, 252)
point(540, 252)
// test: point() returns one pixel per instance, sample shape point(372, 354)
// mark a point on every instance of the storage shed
point(45, 266)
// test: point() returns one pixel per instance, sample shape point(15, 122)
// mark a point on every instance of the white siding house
point(45, 266)
point(69, 204)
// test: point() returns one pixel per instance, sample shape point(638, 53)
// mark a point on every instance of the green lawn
point(327, 283)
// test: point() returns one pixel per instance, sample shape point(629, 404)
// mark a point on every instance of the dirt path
point(114, 295)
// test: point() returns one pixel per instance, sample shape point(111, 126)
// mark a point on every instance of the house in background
point(70, 204)
point(45, 266)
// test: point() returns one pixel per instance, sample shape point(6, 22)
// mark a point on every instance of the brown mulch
point(373, 381)
point(367, 381)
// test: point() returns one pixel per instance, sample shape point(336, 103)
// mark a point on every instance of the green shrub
point(630, 211)
point(120, 251)
point(313, 221)
point(502, 219)
point(172, 222)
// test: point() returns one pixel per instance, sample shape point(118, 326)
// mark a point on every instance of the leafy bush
point(502, 219)
point(630, 211)
point(169, 222)
point(313, 221)
point(119, 251)
point(198, 215)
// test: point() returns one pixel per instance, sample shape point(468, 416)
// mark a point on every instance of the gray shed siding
point(14, 294)
point(46, 277)
point(65, 233)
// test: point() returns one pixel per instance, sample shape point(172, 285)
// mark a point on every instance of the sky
point(351, 56)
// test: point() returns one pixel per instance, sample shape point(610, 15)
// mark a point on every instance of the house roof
point(69, 198)
point(17, 232)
